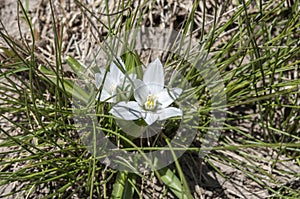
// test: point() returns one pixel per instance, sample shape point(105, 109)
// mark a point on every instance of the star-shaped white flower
point(152, 99)
point(115, 81)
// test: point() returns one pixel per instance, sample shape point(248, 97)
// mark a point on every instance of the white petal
point(105, 96)
point(106, 93)
point(98, 79)
point(154, 74)
point(126, 110)
point(169, 112)
point(109, 84)
point(150, 117)
point(141, 92)
point(115, 71)
point(154, 89)
point(168, 96)
point(138, 83)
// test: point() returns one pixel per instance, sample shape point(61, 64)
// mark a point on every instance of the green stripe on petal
point(126, 110)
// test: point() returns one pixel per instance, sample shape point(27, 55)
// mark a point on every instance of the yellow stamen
point(150, 104)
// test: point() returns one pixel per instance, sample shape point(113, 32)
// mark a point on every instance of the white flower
point(152, 99)
point(114, 83)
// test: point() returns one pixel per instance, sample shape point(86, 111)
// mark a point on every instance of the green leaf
point(173, 183)
point(133, 64)
point(76, 66)
point(129, 189)
point(69, 86)
point(122, 188)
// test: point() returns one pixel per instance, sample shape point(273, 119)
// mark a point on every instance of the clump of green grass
point(258, 62)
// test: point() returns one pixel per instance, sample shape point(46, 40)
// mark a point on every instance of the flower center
point(150, 104)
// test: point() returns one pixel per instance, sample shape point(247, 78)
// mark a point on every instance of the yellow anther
point(150, 104)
